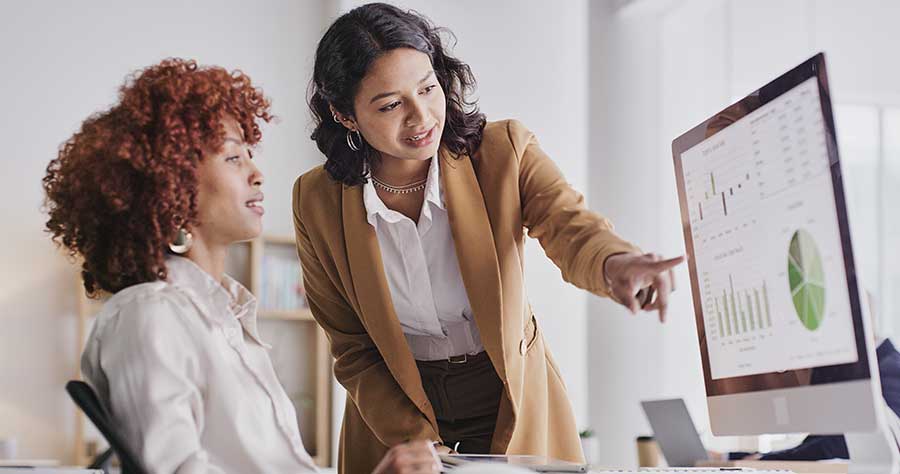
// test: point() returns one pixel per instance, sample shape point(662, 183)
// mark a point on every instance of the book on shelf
point(281, 284)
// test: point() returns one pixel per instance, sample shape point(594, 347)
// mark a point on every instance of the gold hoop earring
point(183, 242)
point(350, 143)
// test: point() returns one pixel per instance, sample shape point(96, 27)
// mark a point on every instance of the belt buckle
point(460, 359)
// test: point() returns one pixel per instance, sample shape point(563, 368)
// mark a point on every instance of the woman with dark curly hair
point(411, 242)
point(150, 194)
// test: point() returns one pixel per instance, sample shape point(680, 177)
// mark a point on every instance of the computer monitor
point(785, 339)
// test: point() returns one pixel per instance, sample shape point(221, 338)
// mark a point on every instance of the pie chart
point(807, 279)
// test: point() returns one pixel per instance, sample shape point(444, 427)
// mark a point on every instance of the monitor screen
point(768, 241)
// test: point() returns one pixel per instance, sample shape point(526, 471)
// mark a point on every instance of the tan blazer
point(508, 186)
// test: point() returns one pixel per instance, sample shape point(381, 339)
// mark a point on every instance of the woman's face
point(229, 198)
point(400, 106)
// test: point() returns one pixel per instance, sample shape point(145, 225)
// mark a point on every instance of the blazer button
point(522, 347)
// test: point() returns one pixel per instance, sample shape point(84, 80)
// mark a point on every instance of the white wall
point(627, 354)
point(658, 68)
point(64, 61)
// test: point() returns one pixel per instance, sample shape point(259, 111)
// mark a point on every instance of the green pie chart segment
point(806, 278)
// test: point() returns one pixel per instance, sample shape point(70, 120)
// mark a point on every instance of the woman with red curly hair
point(150, 194)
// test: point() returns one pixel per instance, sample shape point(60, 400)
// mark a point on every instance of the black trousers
point(466, 399)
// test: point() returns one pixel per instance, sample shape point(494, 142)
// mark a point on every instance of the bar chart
point(719, 197)
point(741, 311)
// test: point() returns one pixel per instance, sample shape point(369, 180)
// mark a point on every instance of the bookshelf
point(269, 267)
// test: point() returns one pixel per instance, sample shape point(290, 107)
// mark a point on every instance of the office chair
point(87, 400)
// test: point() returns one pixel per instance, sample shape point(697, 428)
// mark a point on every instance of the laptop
point(674, 432)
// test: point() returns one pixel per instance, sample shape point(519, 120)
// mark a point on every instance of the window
point(869, 142)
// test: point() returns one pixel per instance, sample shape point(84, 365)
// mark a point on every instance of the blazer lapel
point(373, 298)
point(475, 250)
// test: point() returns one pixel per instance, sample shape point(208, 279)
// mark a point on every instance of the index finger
point(664, 265)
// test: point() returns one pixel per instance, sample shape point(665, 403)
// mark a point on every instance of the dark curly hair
point(345, 53)
point(123, 185)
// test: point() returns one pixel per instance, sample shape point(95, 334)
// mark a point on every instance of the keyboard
point(491, 468)
point(689, 470)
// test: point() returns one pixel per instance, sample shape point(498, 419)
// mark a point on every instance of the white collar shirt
point(182, 369)
point(423, 275)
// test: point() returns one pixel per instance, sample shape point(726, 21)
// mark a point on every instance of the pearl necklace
point(406, 189)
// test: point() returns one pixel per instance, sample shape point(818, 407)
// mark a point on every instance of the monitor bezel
point(859, 370)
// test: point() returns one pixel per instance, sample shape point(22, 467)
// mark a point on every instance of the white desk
point(48, 470)
point(800, 467)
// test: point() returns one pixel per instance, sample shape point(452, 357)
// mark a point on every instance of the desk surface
point(28, 462)
point(800, 467)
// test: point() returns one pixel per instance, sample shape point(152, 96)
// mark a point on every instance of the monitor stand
point(876, 452)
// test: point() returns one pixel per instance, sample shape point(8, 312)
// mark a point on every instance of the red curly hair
point(122, 186)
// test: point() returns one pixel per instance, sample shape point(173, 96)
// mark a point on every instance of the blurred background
point(605, 85)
